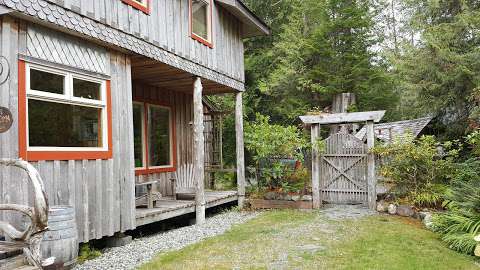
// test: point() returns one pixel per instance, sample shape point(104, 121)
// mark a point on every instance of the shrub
point(268, 144)
point(419, 169)
point(461, 223)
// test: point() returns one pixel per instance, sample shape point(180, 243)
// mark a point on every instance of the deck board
point(167, 207)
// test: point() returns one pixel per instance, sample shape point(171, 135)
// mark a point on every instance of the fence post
point(371, 176)
point(316, 193)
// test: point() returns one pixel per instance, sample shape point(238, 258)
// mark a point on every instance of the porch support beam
point(199, 151)
point(316, 192)
point(371, 176)
point(240, 149)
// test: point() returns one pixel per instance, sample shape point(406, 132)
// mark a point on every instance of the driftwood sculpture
point(30, 239)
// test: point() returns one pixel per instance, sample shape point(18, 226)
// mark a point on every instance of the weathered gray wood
point(315, 136)
point(166, 27)
point(199, 151)
point(372, 179)
point(343, 118)
point(61, 239)
point(240, 149)
point(109, 206)
point(343, 177)
point(38, 215)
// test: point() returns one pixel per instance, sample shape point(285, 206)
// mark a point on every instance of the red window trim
point(136, 5)
point(190, 23)
point(146, 170)
point(55, 155)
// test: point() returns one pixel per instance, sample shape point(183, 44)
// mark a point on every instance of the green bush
point(461, 222)
point(267, 144)
point(419, 169)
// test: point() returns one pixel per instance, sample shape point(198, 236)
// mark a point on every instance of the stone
point(477, 250)
point(311, 248)
point(428, 221)
point(422, 214)
point(405, 211)
point(307, 198)
point(382, 206)
point(296, 198)
point(270, 195)
point(392, 209)
point(287, 197)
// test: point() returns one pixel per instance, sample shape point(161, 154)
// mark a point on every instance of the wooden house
point(107, 95)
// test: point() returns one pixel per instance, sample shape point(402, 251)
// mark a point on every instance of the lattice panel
point(62, 49)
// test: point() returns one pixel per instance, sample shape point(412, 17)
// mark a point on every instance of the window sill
point(202, 41)
point(152, 171)
point(65, 155)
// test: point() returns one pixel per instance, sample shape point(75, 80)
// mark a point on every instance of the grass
point(308, 240)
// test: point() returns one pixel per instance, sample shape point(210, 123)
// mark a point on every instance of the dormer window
point(201, 21)
point(142, 5)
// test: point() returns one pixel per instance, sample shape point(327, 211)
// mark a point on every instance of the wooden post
point(371, 177)
point(240, 149)
point(199, 151)
point(317, 198)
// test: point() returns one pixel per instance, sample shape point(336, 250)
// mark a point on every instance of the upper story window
point(143, 5)
point(67, 115)
point(201, 21)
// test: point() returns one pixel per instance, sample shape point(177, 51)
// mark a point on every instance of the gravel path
point(144, 249)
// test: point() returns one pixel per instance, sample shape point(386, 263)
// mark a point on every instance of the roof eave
point(252, 25)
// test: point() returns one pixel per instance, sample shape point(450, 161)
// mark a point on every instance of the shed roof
point(389, 131)
point(252, 25)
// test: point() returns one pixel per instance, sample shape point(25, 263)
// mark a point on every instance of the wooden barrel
point(61, 240)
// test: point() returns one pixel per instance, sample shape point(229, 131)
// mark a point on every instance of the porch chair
point(150, 198)
point(183, 183)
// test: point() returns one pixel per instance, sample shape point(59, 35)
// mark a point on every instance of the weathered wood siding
point(182, 105)
point(167, 26)
point(102, 191)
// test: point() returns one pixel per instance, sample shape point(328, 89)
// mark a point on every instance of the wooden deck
point(169, 208)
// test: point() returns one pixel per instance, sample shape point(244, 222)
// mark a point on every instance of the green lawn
point(308, 240)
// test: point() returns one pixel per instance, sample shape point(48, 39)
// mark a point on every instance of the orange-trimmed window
point(154, 138)
point(201, 21)
point(63, 115)
point(143, 5)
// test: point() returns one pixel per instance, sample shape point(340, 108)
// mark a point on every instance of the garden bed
point(279, 204)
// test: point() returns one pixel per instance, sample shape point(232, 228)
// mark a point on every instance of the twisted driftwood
point(30, 239)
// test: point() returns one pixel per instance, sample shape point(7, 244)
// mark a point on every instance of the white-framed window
point(65, 111)
point(201, 21)
point(153, 136)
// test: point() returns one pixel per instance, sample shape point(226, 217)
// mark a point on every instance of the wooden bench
point(150, 198)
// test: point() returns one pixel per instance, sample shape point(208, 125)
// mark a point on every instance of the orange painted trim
point(22, 110)
point(136, 5)
point(146, 170)
point(190, 22)
point(33, 155)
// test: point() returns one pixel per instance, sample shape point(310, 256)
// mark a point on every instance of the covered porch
point(171, 183)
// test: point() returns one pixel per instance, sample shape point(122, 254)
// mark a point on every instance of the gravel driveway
point(144, 249)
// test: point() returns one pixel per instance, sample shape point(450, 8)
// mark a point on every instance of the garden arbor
point(343, 168)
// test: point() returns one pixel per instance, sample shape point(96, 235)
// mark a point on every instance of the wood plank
point(343, 118)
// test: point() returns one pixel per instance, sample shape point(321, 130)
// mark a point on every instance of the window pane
point(138, 135)
point(46, 82)
point(63, 125)
point(200, 18)
point(86, 89)
point(159, 136)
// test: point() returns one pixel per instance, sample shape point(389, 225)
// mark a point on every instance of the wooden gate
point(343, 170)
